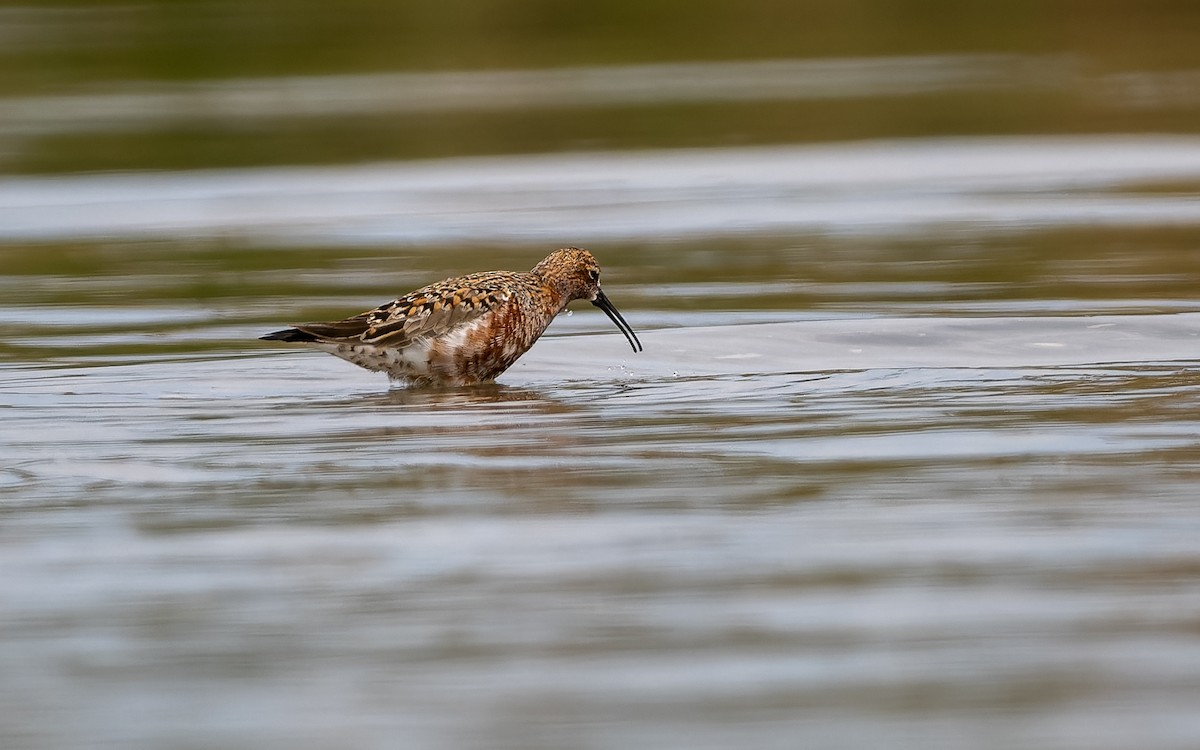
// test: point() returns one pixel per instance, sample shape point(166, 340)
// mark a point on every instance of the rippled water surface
point(910, 458)
point(875, 510)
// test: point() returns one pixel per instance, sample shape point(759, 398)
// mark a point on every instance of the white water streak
point(865, 187)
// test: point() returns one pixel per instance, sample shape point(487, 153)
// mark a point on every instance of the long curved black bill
point(602, 302)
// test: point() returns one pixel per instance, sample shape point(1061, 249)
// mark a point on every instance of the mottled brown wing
point(438, 308)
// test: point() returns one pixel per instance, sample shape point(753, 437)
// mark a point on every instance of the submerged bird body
point(463, 330)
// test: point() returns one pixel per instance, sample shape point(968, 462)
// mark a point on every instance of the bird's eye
point(594, 274)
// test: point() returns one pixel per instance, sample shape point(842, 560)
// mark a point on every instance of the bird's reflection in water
point(457, 397)
point(498, 429)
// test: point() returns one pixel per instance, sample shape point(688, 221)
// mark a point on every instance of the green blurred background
point(1074, 67)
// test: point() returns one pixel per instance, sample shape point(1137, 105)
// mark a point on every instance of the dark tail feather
point(340, 330)
point(289, 334)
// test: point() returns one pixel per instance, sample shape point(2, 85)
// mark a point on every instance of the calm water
point(910, 459)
